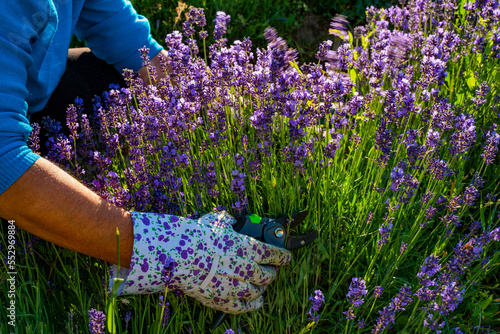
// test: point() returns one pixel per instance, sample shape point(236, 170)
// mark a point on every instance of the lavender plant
point(389, 141)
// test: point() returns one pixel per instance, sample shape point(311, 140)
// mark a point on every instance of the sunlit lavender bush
point(390, 141)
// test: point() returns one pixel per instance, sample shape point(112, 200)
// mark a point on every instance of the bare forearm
point(52, 205)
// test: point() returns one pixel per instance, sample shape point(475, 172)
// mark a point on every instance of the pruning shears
point(274, 232)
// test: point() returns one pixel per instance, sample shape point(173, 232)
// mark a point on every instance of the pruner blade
point(274, 232)
point(295, 220)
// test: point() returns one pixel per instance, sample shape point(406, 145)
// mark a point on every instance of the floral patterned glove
point(214, 264)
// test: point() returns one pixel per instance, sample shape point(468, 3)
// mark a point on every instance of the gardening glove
point(217, 266)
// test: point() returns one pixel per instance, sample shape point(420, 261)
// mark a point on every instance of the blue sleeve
point(115, 32)
point(17, 33)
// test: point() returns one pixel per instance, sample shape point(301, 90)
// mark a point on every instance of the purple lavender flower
point(168, 269)
point(433, 139)
point(386, 318)
point(485, 263)
point(399, 48)
point(466, 253)
point(430, 212)
point(477, 181)
point(280, 55)
point(384, 231)
point(450, 219)
point(359, 32)
point(296, 132)
point(451, 296)
point(144, 51)
point(317, 300)
point(425, 294)
point(439, 169)
point(165, 311)
point(491, 197)
point(324, 47)
point(96, 321)
point(349, 314)
point(361, 63)
point(339, 26)
point(495, 234)
point(403, 247)
point(34, 138)
point(397, 176)
point(495, 49)
point(491, 146)
point(60, 150)
point(475, 226)
point(442, 115)
point(433, 324)
point(332, 146)
point(383, 142)
point(50, 287)
point(430, 267)
point(345, 56)
point(52, 126)
point(238, 187)
point(470, 195)
point(221, 21)
point(464, 136)
point(378, 291)
point(481, 93)
point(196, 17)
point(72, 119)
point(414, 151)
point(433, 70)
point(402, 299)
point(455, 203)
point(127, 318)
point(31, 243)
point(357, 290)
point(369, 217)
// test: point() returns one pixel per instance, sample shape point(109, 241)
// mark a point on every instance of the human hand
point(161, 71)
point(214, 264)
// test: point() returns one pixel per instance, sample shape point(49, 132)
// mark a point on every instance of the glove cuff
point(150, 252)
point(144, 274)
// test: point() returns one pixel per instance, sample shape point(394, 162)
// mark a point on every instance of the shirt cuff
point(14, 164)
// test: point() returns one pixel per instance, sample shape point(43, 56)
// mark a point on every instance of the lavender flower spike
point(430, 267)
point(378, 291)
point(127, 318)
point(491, 147)
point(166, 311)
point(357, 290)
point(317, 301)
point(339, 26)
point(221, 21)
point(96, 321)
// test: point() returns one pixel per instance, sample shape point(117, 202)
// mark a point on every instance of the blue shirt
point(34, 41)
